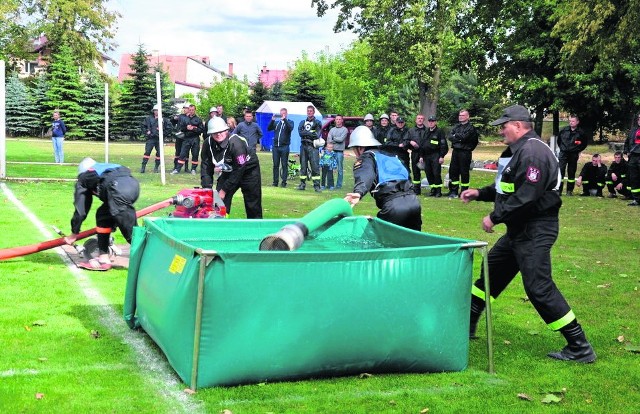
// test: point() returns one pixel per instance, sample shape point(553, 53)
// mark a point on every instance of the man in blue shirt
point(280, 148)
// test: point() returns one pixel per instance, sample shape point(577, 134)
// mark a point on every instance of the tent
point(297, 112)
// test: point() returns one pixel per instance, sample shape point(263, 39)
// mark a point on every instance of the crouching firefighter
point(526, 200)
point(383, 175)
point(118, 190)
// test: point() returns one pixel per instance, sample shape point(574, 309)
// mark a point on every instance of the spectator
point(178, 122)
point(328, 163)
point(151, 131)
point(337, 136)
point(592, 177)
point(249, 130)
point(231, 122)
point(617, 179)
point(192, 129)
point(58, 130)
point(464, 139)
point(280, 149)
point(368, 121)
point(571, 141)
point(398, 141)
point(381, 131)
point(309, 130)
point(417, 135)
point(632, 149)
point(433, 150)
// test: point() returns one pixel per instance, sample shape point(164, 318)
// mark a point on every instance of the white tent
point(297, 112)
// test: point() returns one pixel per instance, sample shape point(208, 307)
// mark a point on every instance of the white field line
point(159, 374)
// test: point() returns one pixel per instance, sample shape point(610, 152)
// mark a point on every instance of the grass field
point(65, 347)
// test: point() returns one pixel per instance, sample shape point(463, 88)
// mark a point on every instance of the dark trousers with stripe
point(528, 250)
point(568, 161)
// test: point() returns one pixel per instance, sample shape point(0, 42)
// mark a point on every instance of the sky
point(248, 33)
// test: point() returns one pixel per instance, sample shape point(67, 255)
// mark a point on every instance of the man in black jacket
point(571, 142)
point(236, 165)
point(433, 150)
point(592, 177)
point(280, 149)
point(151, 131)
point(416, 138)
point(617, 176)
point(397, 142)
point(192, 129)
point(526, 200)
point(310, 130)
point(464, 139)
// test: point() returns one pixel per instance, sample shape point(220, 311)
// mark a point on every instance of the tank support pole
point(485, 264)
point(206, 257)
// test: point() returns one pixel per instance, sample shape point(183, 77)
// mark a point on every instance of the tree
point(137, 98)
point(167, 91)
point(276, 91)
point(14, 38)
point(39, 88)
point(65, 91)
point(86, 26)
point(301, 86)
point(93, 101)
point(407, 38)
point(21, 117)
point(259, 94)
point(230, 93)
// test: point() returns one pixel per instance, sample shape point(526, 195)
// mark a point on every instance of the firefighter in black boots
point(617, 177)
point(118, 190)
point(571, 142)
point(236, 166)
point(433, 150)
point(310, 130)
point(526, 200)
point(151, 132)
point(464, 139)
point(592, 177)
point(192, 129)
point(178, 122)
point(632, 149)
point(416, 138)
point(383, 175)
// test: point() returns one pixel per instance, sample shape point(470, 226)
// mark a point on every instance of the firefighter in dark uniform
point(192, 128)
point(416, 137)
point(151, 132)
point(592, 177)
point(527, 201)
point(571, 142)
point(383, 175)
point(237, 167)
point(397, 141)
point(617, 176)
point(178, 121)
point(309, 130)
point(464, 139)
point(118, 190)
point(433, 150)
point(632, 149)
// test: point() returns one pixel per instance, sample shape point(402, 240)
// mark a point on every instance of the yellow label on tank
point(177, 265)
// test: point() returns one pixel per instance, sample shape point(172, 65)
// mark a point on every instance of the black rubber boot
point(578, 349)
point(143, 167)
point(417, 189)
point(476, 311)
point(438, 193)
point(302, 186)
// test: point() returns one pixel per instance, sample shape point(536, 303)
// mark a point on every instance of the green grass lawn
point(67, 349)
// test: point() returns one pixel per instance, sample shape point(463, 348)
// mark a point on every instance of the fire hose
point(50, 244)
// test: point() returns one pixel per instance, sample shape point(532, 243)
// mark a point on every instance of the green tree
point(137, 98)
point(301, 86)
point(259, 94)
point(276, 91)
point(86, 26)
point(21, 115)
point(93, 102)
point(38, 88)
point(65, 91)
point(167, 91)
point(408, 38)
point(230, 93)
point(14, 37)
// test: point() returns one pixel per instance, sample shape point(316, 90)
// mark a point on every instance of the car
point(351, 122)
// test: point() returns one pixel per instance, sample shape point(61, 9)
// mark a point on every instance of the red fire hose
point(50, 244)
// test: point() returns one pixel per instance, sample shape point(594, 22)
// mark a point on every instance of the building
point(31, 67)
point(270, 76)
point(190, 74)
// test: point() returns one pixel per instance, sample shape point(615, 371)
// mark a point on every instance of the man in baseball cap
point(513, 113)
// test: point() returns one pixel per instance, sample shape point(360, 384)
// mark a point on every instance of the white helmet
point(384, 116)
point(215, 125)
point(368, 117)
point(213, 109)
point(85, 164)
point(156, 107)
point(363, 137)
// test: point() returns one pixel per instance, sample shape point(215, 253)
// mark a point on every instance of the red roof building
point(270, 76)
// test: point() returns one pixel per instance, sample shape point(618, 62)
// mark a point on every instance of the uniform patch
point(241, 159)
point(357, 164)
point(533, 174)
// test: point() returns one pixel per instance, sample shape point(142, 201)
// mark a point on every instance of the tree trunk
point(429, 95)
point(556, 122)
point(539, 119)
